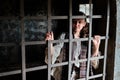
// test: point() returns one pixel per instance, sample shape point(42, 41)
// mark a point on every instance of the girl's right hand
point(49, 36)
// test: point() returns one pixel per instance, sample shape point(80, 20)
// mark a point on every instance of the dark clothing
point(61, 53)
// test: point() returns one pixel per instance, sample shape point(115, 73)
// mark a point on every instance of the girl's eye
point(79, 22)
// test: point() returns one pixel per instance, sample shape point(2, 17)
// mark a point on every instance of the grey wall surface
point(117, 47)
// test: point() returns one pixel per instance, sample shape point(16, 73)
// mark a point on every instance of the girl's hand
point(49, 36)
point(96, 44)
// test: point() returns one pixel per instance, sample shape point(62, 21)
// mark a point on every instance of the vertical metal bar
point(49, 47)
point(89, 44)
point(106, 40)
point(49, 60)
point(49, 15)
point(70, 39)
point(22, 37)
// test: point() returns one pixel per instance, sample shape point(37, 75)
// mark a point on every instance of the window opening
point(32, 28)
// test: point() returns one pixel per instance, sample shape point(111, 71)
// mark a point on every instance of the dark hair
point(80, 14)
point(85, 31)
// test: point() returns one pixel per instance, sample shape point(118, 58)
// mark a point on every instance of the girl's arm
point(55, 50)
point(95, 51)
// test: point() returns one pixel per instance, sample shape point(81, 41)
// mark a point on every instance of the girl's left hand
point(96, 44)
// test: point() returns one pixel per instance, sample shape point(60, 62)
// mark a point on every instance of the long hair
point(85, 31)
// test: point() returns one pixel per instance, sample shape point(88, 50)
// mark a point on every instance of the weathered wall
point(35, 30)
point(117, 47)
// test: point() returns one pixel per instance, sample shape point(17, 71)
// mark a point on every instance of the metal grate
point(49, 18)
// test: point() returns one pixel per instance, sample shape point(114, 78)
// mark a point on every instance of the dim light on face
point(78, 25)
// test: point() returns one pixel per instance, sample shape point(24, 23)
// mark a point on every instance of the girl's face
point(78, 25)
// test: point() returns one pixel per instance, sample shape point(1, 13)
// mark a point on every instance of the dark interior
point(10, 32)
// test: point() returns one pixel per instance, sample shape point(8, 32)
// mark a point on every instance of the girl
point(79, 51)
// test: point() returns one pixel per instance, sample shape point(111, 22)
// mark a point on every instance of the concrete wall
point(117, 47)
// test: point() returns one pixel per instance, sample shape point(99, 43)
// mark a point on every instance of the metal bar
point(8, 44)
point(106, 40)
point(19, 71)
point(23, 53)
point(89, 44)
point(96, 16)
point(96, 76)
point(44, 67)
point(56, 17)
point(86, 39)
point(49, 43)
point(8, 18)
point(59, 64)
point(45, 17)
point(22, 37)
point(70, 39)
point(82, 79)
point(36, 68)
point(10, 73)
point(96, 58)
point(93, 16)
point(36, 17)
point(44, 42)
point(81, 60)
point(59, 17)
point(92, 77)
point(49, 15)
point(49, 60)
point(35, 42)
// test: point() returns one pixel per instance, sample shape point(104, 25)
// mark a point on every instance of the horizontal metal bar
point(81, 60)
point(91, 58)
point(10, 73)
point(35, 42)
point(53, 41)
point(59, 41)
point(36, 17)
point(97, 16)
point(59, 17)
point(8, 44)
point(98, 57)
point(36, 68)
point(45, 17)
point(91, 77)
point(81, 79)
point(93, 16)
point(86, 39)
point(59, 64)
point(19, 71)
point(96, 76)
point(44, 42)
point(26, 43)
point(80, 39)
point(8, 18)
point(45, 67)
